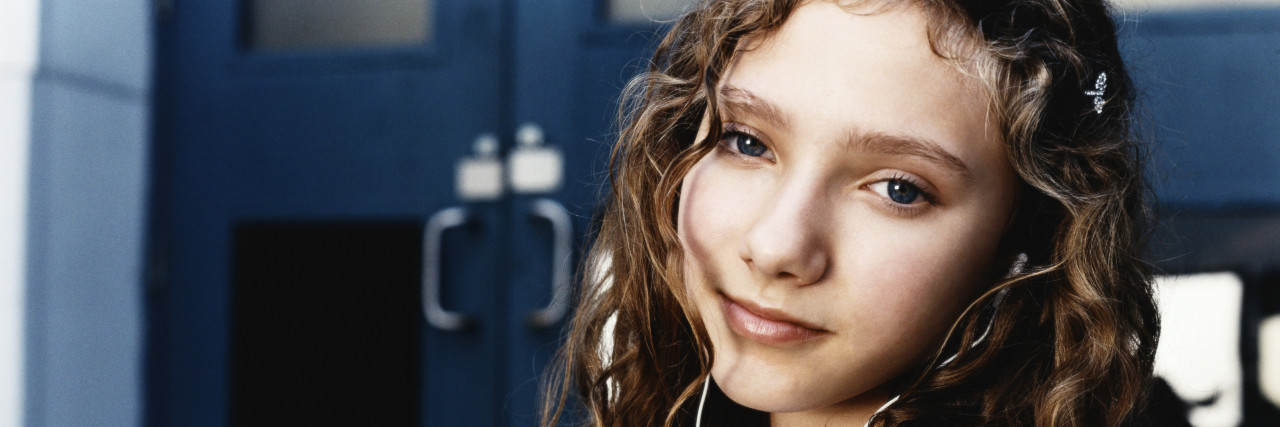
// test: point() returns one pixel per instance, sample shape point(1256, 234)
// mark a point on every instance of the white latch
point(479, 176)
point(533, 166)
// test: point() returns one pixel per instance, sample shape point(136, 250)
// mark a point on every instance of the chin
point(771, 396)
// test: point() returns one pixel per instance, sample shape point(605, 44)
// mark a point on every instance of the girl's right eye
point(744, 144)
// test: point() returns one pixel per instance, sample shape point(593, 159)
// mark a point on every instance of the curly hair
point(1073, 337)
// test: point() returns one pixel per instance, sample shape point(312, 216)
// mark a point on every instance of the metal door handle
point(435, 313)
point(555, 311)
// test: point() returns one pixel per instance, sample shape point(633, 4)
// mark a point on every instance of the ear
point(1029, 234)
point(1011, 257)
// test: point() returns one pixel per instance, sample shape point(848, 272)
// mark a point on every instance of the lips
point(767, 326)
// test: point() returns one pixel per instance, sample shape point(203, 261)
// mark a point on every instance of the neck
point(852, 412)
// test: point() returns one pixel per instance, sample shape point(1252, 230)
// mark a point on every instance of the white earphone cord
point(705, 385)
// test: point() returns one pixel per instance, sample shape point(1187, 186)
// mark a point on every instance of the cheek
point(696, 234)
point(713, 207)
point(917, 279)
point(716, 204)
point(706, 225)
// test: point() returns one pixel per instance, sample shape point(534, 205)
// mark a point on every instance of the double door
point(369, 212)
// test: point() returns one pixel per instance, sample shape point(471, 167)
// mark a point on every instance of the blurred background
point(365, 212)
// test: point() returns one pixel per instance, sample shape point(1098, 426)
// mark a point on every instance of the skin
point(848, 107)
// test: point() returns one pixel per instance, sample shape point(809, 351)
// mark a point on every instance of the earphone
point(705, 385)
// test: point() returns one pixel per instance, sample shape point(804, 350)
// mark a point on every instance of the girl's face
point(851, 210)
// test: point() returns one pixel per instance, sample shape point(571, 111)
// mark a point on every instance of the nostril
point(806, 275)
point(789, 277)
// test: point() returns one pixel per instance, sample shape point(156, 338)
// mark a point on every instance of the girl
point(924, 212)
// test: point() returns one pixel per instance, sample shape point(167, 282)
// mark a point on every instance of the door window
point(645, 11)
point(273, 25)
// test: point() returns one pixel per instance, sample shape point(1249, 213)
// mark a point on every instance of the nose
point(788, 242)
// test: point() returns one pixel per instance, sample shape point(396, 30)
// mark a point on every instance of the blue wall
point(89, 157)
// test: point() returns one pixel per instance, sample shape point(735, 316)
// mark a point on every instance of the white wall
point(1199, 353)
point(18, 47)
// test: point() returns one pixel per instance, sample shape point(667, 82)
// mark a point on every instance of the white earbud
point(1019, 264)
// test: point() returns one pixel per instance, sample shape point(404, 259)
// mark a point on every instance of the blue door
point(329, 242)
point(571, 59)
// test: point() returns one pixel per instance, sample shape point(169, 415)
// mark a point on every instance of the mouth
point(767, 326)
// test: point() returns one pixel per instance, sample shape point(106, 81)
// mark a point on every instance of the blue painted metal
point(1209, 81)
point(569, 85)
point(372, 136)
point(365, 135)
point(1211, 99)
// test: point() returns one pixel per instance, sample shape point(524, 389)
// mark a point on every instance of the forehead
point(870, 69)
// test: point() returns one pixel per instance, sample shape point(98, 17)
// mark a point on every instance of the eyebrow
point(905, 145)
point(736, 100)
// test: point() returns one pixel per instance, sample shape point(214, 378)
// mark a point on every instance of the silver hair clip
point(1098, 89)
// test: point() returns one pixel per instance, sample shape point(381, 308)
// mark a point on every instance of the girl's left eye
point(899, 190)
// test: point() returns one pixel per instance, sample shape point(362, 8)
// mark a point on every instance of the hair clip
point(1098, 89)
